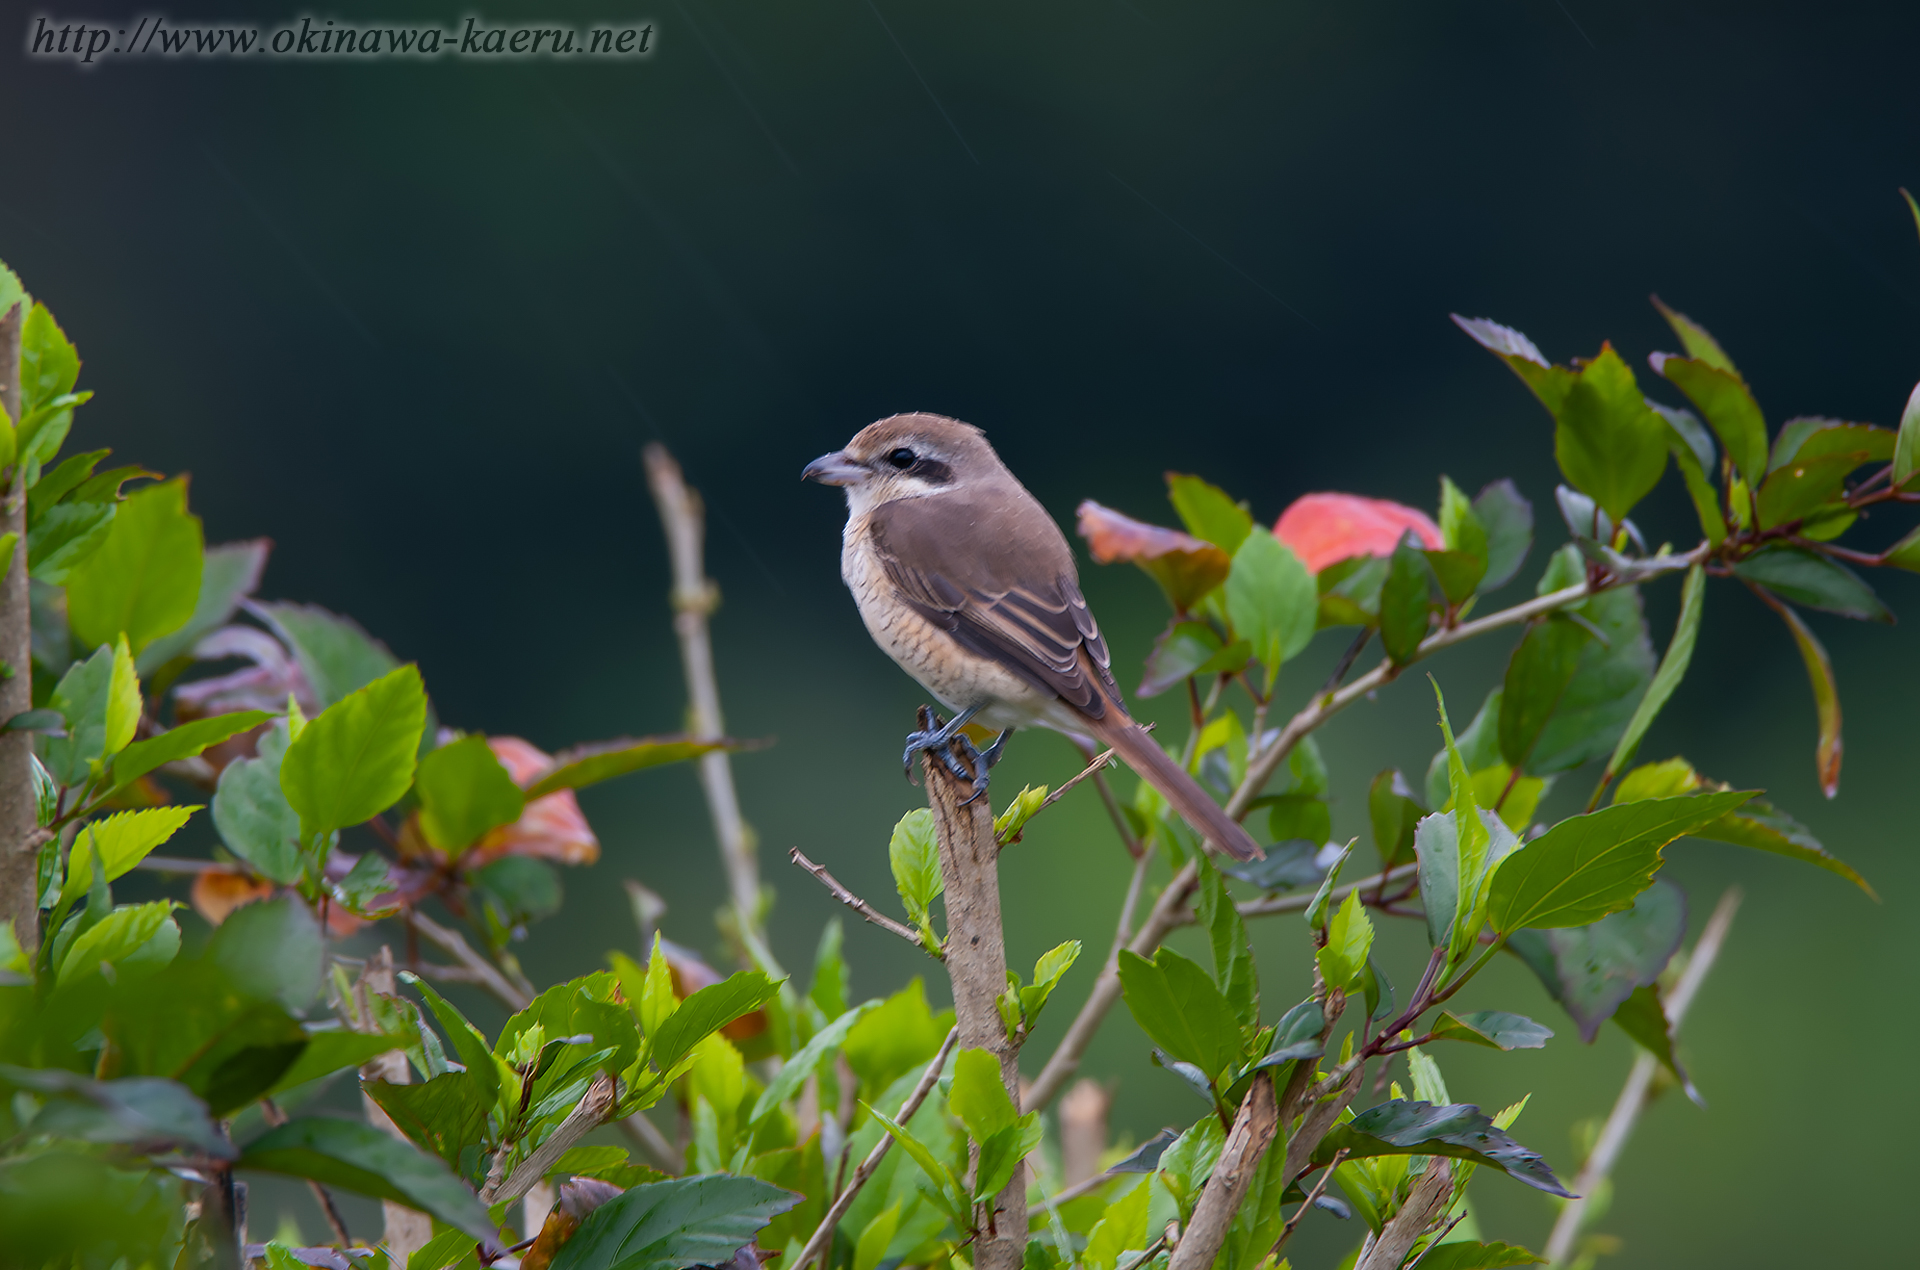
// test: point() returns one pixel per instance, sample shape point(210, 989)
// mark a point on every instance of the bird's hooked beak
point(834, 469)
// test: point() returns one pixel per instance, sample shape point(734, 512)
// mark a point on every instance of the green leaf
point(1462, 531)
point(1692, 452)
point(81, 699)
point(49, 368)
point(1826, 700)
point(1349, 940)
point(1612, 676)
point(831, 977)
point(1468, 1255)
point(1694, 338)
point(1403, 1127)
point(1813, 580)
point(1508, 521)
point(1797, 490)
point(1538, 673)
point(1588, 866)
point(334, 654)
point(1001, 1153)
point(443, 1115)
point(1722, 396)
point(1764, 827)
point(1405, 602)
point(123, 701)
point(1495, 1029)
point(230, 572)
point(871, 1248)
point(1190, 648)
point(1393, 812)
point(184, 741)
point(468, 1044)
point(356, 758)
point(979, 1100)
point(144, 580)
point(1271, 599)
point(709, 1010)
point(252, 814)
point(359, 1158)
point(1122, 1229)
point(136, 940)
point(331, 1051)
point(1906, 446)
point(147, 1114)
point(897, 1035)
point(270, 951)
point(1181, 1010)
point(1591, 969)
point(1208, 513)
point(1227, 936)
point(464, 792)
point(1644, 1017)
point(123, 840)
point(794, 1072)
point(1008, 824)
point(1436, 844)
point(1299, 1034)
point(1673, 668)
point(946, 1188)
point(585, 765)
point(915, 857)
point(66, 536)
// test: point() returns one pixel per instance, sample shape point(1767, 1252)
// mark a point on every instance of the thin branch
point(1101, 760)
point(824, 1231)
point(1123, 930)
point(1319, 1189)
point(860, 906)
point(1254, 1130)
point(1325, 705)
point(695, 597)
point(1119, 818)
point(1635, 1095)
point(471, 966)
point(587, 1115)
point(1301, 902)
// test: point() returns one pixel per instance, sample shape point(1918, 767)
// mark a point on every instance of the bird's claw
point(935, 737)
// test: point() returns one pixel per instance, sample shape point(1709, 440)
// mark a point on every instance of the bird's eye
point(903, 458)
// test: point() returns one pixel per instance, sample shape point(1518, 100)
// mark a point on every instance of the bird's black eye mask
point(913, 463)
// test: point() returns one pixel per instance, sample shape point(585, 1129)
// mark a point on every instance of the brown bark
point(1254, 1130)
point(1083, 1130)
point(19, 842)
point(977, 963)
point(1429, 1198)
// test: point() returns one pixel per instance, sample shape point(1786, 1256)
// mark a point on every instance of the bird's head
point(906, 456)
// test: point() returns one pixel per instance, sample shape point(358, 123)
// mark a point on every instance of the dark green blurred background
point(413, 322)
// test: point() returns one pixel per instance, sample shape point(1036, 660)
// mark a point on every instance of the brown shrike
point(963, 578)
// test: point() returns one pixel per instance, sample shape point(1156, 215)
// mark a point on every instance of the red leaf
point(552, 828)
point(1324, 529)
point(1185, 567)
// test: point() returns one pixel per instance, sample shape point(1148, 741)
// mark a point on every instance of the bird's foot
point(936, 737)
point(975, 760)
point(993, 752)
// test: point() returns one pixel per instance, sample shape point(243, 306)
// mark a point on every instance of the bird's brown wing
point(996, 574)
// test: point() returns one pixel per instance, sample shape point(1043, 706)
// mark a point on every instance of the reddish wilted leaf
point(1185, 567)
point(217, 892)
point(1324, 529)
point(552, 827)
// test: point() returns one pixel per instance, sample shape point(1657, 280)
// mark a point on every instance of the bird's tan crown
point(949, 439)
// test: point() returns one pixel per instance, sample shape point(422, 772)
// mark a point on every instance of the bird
point(963, 579)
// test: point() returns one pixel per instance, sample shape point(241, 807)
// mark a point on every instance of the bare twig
point(19, 898)
point(1123, 929)
point(1319, 1189)
point(1112, 804)
point(405, 1230)
point(587, 1115)
point(271, 1113)
point(824, 1231)
point(695, 597)
point(1276, 904)
point(860, 906)
point(470, 966)
point(1103, 759)
point(1635, 1095)
point(977, 966)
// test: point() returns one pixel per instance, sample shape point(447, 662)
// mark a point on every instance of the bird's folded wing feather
point(1001, 581)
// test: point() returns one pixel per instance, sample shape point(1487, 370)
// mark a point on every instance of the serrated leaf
point(1591, 969)
point(464, 791)
point(123, 840)
point(1208, 512)
point(1271, 599)
point(709, 1010)
point(1405, 602)
point(1810, 579)
point(585, 765)
point(356, 758)
point(1349, 940)
point(1508, 520)
point(1404, 1127)
point(914, 854)
point(1673, 668)
point(1495, 1029)
point(180, 742)
point(252, 813)
point(1721, 395)
point(144, 579)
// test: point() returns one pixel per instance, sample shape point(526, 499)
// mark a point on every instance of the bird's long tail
point(1144, 755)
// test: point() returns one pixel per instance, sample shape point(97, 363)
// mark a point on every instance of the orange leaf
point(552, 828)
point(1324, 529)
point(1185, 567)
point(217, 892)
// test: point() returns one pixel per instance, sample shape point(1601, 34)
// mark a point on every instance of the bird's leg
point(938, 737)
point(977, 762)
point(993, 752)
